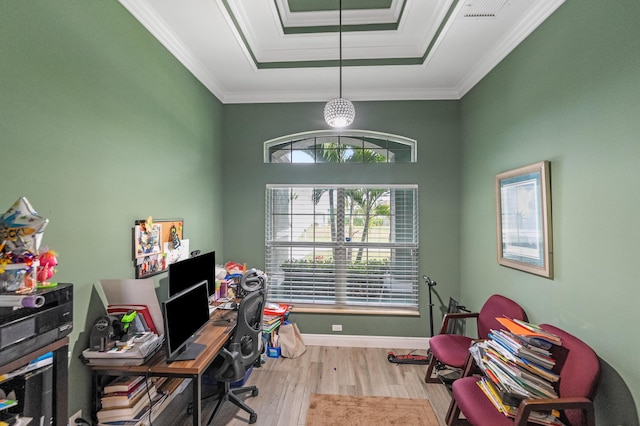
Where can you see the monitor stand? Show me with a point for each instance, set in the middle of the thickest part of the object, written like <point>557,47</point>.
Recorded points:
<point>191,352</point>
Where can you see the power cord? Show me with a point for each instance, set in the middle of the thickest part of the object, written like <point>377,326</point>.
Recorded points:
<point>149,395</point>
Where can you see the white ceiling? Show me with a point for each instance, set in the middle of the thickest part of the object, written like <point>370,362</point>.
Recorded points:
<point>254,51</point>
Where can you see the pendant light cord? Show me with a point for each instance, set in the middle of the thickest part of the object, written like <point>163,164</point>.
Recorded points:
<point>340,31</point>
<point>339,112</point>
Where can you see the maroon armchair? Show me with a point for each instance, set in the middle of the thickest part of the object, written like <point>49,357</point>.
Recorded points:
<point>453,349</point>
<point>579,370</point>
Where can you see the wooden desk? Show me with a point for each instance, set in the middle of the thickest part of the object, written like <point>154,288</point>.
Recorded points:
<point>214,335</point>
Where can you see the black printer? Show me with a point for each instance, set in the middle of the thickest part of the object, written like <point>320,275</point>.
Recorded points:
<point>25,329</point>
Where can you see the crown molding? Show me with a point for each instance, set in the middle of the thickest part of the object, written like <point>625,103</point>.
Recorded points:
<point>158,28</point>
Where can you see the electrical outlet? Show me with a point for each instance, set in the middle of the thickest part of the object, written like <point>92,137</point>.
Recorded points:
<point>336,327</point>
<point>72,419</point>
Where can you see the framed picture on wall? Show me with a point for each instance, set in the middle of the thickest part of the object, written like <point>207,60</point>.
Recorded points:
<point>150,265</point>
<point>156,244</point>
<point>146,240</point>
<point>523,206</point>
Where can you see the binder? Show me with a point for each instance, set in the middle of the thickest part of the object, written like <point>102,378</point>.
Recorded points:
<point>142,310</point>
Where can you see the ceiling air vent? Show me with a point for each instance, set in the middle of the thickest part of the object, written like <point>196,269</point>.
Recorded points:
<point>483,8</point>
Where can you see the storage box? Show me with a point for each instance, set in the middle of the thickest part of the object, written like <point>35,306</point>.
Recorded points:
<point>273,352</point>
<point>18,276</point>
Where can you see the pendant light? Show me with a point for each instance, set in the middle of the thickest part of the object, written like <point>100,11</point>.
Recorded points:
<point>339,112</point>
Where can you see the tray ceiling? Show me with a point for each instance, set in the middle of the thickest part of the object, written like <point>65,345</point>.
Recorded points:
<point>247,51</point>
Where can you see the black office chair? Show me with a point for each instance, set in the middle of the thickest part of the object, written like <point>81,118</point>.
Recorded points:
<point>240,354</point>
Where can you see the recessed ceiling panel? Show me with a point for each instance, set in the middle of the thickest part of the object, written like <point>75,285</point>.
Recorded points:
<point>258,27</point>
<point>323,5</point>
<point>324,13</point>
<point>246,51</point>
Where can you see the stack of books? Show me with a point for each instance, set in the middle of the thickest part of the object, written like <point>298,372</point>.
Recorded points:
<point>270,325</point>
<point>125,399</point>
<point>119,406</point>
<point>270,322</point>
<point>517,364</point>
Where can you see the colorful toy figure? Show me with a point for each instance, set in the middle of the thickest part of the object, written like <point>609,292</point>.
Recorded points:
<point>48,262</point>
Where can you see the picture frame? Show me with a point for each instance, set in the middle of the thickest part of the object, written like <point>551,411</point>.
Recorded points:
<point>524,231</point>
<point>146,240</point>
<point>150,265</point>
<point>155,243</point>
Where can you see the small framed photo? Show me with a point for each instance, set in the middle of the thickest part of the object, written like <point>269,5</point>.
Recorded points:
<point>150,265</point>
<point>523,206</point>
<point>156,244</point>
<point>147,239</point>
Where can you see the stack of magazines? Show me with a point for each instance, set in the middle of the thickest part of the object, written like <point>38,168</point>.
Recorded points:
<point>518,364</point>
<point>135,351</point>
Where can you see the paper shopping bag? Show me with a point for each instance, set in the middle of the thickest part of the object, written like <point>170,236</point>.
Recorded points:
<point>291,343</point>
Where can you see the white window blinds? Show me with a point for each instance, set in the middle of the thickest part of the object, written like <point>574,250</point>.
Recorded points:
<point>343,245</point>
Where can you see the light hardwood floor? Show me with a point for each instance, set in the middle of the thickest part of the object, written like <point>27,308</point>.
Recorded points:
<point>285,385</point>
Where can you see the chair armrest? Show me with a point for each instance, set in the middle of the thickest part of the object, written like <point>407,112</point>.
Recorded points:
<point>547,404</point>
<point>456,315</point>
<point>231,363</point>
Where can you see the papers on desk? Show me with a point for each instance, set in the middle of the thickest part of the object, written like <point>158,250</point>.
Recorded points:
<point>133,353</point>
<point>135,292</point>
<point>228,305</point>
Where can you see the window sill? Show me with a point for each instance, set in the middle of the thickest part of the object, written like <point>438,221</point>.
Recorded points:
<point>354,310</point>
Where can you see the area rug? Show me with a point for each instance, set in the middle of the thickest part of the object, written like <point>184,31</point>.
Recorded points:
<point>340,410</point>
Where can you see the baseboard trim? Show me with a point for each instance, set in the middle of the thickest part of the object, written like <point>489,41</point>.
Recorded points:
<point>397,342</point>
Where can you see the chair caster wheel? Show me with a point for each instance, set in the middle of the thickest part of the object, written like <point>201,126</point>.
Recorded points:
<point>253,418</point>
<point>254,392</point>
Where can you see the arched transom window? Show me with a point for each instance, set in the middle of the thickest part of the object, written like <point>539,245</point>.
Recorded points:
<point>353,146</point>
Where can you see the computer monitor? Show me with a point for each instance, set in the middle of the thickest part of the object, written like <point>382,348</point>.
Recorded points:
<point>184,314</point>
<point>186,273</point>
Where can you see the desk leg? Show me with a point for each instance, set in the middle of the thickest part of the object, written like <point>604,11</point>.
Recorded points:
<point>197,399</point>
<point>96,391</point>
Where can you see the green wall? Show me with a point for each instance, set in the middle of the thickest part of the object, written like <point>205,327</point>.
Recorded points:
<point>100,125</point>
<point>569,94</point>
<point>435,125</point>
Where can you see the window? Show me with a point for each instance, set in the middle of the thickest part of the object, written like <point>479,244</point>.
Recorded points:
<point>343,245</point>
<point>355,146</point>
